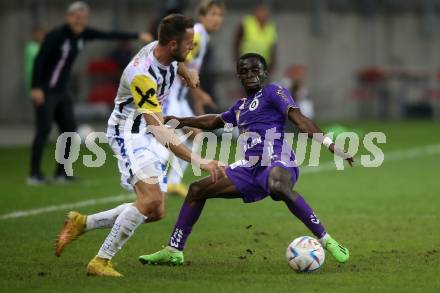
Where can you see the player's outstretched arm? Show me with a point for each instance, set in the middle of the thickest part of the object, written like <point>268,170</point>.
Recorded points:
<point>306,125</point>
<point>96,34</point>
<point>169,139</point>
<point>205,122</point>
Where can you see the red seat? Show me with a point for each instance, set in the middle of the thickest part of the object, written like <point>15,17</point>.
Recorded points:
<point>102,93</point>
<point>102,67</point>
<point>103,75</point>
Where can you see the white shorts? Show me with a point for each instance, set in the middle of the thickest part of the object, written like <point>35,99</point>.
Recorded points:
<point>140,157</point>
<point>177,103</point>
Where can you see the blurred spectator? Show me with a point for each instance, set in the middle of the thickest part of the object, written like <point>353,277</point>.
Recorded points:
<point>257,34</point>
<point>30,53</point>
<point>208,79</point>
<point>294,80</point>
<point>50,76</point>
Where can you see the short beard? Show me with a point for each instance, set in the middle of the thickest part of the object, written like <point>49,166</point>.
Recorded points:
<point>177,56</point>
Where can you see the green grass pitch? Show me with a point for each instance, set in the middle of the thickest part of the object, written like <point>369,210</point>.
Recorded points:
<point>388,216</point>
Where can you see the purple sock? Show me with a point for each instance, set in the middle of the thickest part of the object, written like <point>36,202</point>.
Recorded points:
<point>189,214</point>
<point>304,212</point>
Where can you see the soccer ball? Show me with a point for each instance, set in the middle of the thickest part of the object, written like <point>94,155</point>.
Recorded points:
<point>305,254</point>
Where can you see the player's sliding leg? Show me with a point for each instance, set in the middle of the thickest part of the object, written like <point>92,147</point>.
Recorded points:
<point>148,207</point>
<point>280,185</point>
<point>77,224</point>
<point>300,208</point>
<point>189,214</point>
<point>173,253</point>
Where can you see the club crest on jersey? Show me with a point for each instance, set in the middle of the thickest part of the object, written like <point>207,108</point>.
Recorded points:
<point>254,104</point>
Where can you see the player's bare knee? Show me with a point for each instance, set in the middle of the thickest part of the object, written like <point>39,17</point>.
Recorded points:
<point>159,213</point>
<point>278,188</point>
<point>143,209</point>
<point>155,209</point>
<point>194,192</point>
<point>193,188</point>
<point>294,195</point>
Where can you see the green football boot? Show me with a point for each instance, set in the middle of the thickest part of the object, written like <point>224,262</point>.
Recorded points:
<point>339,252</point>
<point>166,256</point>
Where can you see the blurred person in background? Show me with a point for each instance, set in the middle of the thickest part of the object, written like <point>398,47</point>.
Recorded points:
<point>295,80</point>
<point>211,15</point>
<point>31,50</point>
<point>257,34</point>
<point>51,72</point>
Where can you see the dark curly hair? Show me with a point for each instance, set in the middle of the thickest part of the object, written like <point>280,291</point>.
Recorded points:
<point>253,55</point>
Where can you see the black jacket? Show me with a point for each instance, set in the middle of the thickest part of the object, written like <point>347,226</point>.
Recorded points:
<point>58,52</point>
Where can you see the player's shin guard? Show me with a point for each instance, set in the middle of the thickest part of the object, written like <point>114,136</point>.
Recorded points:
<point>188,216</point>
<point>304,212</point>
<point>105,219</point>
<point>125,225</point>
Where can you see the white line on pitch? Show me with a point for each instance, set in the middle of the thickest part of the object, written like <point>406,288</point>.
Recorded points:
<point>328,166</point>
<point>67,206</point>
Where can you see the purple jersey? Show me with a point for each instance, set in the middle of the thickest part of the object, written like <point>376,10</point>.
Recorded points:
<point>261,114</point>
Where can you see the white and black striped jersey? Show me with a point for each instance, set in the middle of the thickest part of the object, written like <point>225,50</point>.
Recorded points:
<point>145,84</point>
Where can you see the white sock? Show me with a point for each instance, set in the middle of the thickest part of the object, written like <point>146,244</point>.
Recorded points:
<point>324,239</point>
<point>104,219</point>
<point>173,176</point>
<point>172,249</point>
<point>127,221</point>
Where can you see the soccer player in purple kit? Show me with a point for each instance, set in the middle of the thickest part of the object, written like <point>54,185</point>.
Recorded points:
<point>265,109</point>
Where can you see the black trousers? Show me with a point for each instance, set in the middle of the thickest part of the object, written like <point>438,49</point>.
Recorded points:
<point>57,107</point>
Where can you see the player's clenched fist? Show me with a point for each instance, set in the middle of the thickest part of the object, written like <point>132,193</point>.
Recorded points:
<point>342,154</point>
<point>191,79</point>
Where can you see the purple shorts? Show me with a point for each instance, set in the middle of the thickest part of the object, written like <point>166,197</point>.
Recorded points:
<point>252,182</point>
